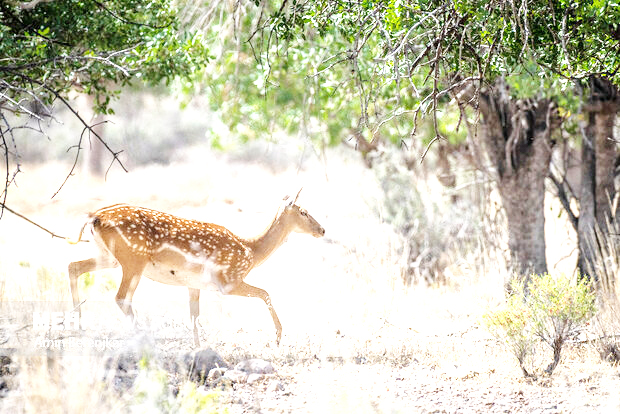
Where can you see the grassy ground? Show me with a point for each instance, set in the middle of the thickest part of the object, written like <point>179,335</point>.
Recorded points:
<point>355,338</point>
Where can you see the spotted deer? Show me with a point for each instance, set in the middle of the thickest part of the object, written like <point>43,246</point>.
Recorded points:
<point>182,252</point>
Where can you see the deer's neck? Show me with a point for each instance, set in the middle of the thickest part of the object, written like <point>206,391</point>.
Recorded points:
<point>264,245</point>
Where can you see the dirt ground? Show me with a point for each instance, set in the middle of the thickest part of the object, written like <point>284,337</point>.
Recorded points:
<point>480,383</point>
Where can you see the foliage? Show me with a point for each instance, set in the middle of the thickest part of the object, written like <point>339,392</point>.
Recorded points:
<point>305,79</point>
<point>193,400</point>
<point>558,306</point>
<point>59,46</point>
<point>511,324</point>
<point>371,70</point>
<point>550,309</point>
<point>48,49</point>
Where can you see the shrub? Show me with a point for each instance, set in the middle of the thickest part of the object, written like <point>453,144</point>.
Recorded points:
<point>152,393</point>
<point>433,226</point>
<point>511,325</point>
<point>548,309</point>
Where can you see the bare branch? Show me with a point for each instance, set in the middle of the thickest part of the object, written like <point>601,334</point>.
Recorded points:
<point>77,155</point>
<point>398,49</point>
<point>21,216</point>
<point>88,127</point>
<point>7,167</point>
<point>105,58</point>
<point>7,163</point>
<point>436,138</point>
<point>564,200</point>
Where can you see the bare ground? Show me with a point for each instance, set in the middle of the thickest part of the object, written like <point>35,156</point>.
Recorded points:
<point>419,387</point>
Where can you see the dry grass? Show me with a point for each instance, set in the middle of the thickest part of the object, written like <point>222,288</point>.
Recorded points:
<point>356,339</point>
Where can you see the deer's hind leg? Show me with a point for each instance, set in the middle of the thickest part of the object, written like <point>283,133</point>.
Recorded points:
<point>77,269</point>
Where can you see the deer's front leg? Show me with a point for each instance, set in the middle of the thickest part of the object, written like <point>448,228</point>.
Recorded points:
<point>128,286</point>
<point>243,289</point>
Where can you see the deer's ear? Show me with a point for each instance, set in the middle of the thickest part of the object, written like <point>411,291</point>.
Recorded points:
<point>297,196</point>
<point>287,197</point>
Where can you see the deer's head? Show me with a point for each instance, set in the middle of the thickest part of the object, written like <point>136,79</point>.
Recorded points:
<point>300,221</point>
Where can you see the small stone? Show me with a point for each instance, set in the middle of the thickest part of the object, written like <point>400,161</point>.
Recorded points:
<point>253,378</point>
<point>199,364</point>
<point>255,366</point>
<point>236,375</point>
<point>275,386</point>
<point>216,373</point>
<point>123,365</point>
<point>222,383</point>
<point>8,371</point>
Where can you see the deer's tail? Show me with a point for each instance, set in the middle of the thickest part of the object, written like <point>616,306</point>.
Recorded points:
<point>79,239</point>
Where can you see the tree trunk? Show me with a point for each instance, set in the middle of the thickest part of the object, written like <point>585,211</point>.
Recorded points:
<point>523,198</point>
<point>604,104</point>
<point>517,140</point>
<point>587,201</point>
<point>599,150</point>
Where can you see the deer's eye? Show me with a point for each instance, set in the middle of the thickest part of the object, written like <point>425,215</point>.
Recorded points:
<point>303,213</point>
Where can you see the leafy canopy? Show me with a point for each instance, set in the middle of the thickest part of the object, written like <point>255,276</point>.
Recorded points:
<point>93,46</point>
<point>377,67</point>
<point>49,48</point>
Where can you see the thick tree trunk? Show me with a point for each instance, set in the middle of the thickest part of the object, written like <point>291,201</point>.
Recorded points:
<point>517,140</point>
<point>599,154</point>
<point>606,154</point>
<point>523,197</point>
<point>522,185</point>
<point>585,225</point>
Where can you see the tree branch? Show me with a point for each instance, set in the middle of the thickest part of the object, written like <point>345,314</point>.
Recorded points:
<point>563,197</point>
<point>122,19</point>
<point>21,216</point>
<point>88,127</point>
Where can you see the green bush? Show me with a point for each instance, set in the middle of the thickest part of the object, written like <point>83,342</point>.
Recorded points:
<point>152,393</point>
<point>511,325</point>
<point>547,309</point>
